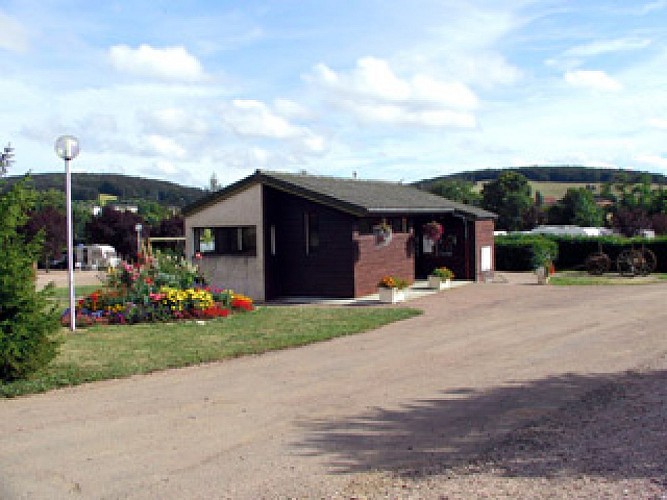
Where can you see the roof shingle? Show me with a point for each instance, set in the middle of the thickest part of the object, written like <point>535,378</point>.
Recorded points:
<point>359,197</point>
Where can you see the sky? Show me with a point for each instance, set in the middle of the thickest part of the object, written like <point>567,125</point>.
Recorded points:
<point>384,89</point>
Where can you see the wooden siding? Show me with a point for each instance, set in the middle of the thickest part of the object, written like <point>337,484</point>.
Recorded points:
<point>325,272</point>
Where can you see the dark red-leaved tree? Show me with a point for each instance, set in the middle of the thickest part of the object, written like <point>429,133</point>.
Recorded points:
<point>116,228</point>
<point>54,225</point>
<point>629,221</point>
<point>173,226</point>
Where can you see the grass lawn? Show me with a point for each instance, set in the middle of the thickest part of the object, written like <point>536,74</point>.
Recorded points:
<point>61,295</point>
<point>105,352</point>
<point>567,278</point>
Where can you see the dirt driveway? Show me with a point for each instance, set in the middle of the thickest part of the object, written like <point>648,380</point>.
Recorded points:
<point>330,419</point>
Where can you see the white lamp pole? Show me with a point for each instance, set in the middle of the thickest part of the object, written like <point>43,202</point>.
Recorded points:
<point>67,148</point>
<point>138,229</point>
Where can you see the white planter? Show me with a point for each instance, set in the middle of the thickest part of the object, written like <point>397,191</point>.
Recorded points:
<point>542,276</point>
<point>439,283</point>
<point>391,295</point>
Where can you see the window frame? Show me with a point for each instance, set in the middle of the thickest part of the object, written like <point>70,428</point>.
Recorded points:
<point>241,240</point>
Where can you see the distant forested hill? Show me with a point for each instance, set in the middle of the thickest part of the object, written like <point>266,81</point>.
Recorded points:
<point>566,173</point>
<point>89,186</point>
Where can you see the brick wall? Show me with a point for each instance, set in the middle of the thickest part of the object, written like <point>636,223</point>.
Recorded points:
<point>373,262</point>
<point>484,237</point>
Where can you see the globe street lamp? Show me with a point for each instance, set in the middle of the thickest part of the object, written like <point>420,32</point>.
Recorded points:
<point>67,148</point>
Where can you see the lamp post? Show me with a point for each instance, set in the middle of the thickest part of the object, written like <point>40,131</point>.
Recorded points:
<point>67,148</point>
<point>138,229</point>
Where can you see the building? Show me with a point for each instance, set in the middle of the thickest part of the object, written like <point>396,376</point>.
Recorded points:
<point>274,235</point>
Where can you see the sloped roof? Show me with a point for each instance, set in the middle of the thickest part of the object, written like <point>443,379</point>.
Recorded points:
<point>358,197</point>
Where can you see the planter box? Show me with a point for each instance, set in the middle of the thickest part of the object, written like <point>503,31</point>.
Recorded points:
<point>542,276</point>
<point>391,295</point>
<point>438,283</point>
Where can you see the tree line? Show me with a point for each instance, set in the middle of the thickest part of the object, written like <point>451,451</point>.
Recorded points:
<point>88,187</point>
<point>626,202</point>
<point>563,173</point>
<point>47,216</point>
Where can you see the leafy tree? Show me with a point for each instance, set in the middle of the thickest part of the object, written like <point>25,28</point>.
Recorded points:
<point>52,224</point>
<point>116,228</point>
<point>577,207</point>
<point>27,321</point>
<point>174,226</point>
<point>456,190</point>
<point>659,223</point>
<point>82,213</point>
<point>629,221</point>
<point>509,196</point>
<point>51,198</point>
<point>152,212</point>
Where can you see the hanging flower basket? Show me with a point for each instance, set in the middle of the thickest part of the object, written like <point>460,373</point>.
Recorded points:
<point>383,234</point>
<point>433,231</point>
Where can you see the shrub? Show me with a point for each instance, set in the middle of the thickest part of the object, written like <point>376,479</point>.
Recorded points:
<point>524,252</point>
<point>26,319</point>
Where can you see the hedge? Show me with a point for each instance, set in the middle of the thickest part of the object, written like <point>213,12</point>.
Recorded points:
<point>513,252</point>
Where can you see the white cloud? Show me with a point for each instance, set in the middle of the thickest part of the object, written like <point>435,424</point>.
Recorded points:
<point>175,120</point>
<point>592,79</point>
<point>13,36</point>
<point>652,161</point>
<point>170,63</point>
<point>291,109</point>
<point>606,46</point>
<point>374,93</point>
<point>653,6</point>
<point>163,146</point>
<point>659,123</point>
<point>252,118</point>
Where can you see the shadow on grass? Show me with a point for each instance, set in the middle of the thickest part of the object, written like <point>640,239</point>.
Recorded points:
<point>609,426</point>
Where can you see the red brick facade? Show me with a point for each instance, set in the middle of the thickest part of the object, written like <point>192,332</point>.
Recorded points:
<point>484,237</point>
<point>373,261</point>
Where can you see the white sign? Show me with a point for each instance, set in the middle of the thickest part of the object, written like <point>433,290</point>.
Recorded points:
<point>485,264</point>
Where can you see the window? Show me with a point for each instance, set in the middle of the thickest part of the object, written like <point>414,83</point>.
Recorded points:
<point>273,239</point>
<point>312,232</point>
<point>237,240</point>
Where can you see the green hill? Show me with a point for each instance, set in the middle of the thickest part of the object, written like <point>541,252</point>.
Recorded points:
<point>558,174</point>
<point>87,187</point>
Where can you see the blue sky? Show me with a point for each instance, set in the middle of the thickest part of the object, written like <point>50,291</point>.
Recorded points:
<point>389,89</point>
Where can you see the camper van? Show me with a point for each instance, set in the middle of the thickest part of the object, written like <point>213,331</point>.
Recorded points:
<point>96,257</point>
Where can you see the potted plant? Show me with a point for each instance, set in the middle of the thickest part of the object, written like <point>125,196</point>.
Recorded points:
<point>544,251</point>
<point>391,289</point>
<point>440,278</point>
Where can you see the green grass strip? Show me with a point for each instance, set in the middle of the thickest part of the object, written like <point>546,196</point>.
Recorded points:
<point>582,278</point>
<point>106,352</point>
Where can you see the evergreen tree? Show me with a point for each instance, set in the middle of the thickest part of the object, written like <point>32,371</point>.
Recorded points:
<point>27,321</point>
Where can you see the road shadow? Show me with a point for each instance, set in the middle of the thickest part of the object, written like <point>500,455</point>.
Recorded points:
<point>610,426</point>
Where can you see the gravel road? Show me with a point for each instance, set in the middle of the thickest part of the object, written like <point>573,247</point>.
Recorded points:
<point>498,391</point>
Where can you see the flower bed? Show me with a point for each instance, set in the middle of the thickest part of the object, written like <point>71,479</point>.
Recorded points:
<point>161,288</point>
